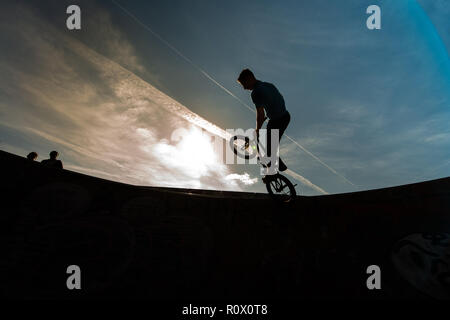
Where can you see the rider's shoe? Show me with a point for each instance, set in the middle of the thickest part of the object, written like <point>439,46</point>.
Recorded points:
<point>282,167</point>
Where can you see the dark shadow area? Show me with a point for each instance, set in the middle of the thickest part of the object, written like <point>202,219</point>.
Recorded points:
<point>164,243</point>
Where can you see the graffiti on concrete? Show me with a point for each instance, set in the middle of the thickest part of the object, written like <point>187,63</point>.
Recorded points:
<point>423,259</point>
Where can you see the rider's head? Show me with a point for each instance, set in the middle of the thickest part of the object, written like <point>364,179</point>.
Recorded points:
<point>247,79</point>
<point>54,155</point>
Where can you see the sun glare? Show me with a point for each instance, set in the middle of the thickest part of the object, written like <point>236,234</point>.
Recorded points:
<point>196,151</point>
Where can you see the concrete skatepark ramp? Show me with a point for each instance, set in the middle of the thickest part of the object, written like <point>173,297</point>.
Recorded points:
<point>164,243</point>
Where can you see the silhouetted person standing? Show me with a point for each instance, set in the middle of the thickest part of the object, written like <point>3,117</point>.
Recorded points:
<point>53,162</point>
<point>268,102</point>
<point>32,156</point>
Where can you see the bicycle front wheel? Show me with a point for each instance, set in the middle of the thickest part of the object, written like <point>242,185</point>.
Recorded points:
<point>281,189</point>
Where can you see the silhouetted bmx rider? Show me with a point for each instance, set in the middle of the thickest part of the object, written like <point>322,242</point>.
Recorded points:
<point>266,97</point>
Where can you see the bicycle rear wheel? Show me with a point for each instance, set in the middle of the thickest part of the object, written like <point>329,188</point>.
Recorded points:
<point>241,147</point>
<point>280,188</point>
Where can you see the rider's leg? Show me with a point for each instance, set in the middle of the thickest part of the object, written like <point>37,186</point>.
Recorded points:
<point>284,125</point>
<point>281,125</point>
<point>271,125</point>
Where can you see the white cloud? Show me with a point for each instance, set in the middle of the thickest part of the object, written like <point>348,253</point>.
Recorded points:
<point>104,120</point>
<point>243,178</point>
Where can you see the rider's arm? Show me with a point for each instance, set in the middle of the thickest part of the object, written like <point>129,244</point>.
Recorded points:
<point>260,117</point>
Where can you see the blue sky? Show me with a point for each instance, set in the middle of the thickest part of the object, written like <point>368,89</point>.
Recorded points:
<point>371,104</point>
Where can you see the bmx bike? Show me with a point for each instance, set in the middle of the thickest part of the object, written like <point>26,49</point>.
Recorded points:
<point>278,186</point>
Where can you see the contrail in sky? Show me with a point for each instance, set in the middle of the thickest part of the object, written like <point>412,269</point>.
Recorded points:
<point>225,89</point>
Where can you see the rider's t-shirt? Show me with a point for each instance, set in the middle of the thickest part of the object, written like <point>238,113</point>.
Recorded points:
<point>266,95</point>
